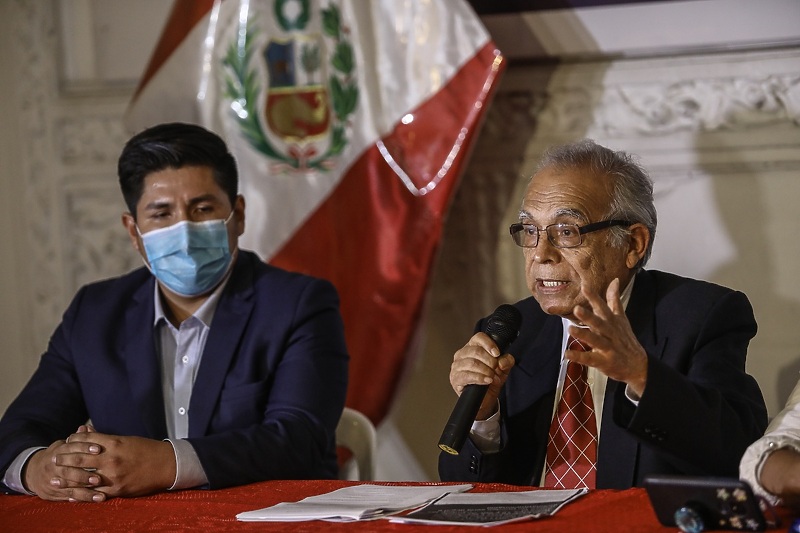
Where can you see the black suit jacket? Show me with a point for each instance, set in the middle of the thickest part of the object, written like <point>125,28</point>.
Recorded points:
<point>269,390</point>
<point>698,413</point>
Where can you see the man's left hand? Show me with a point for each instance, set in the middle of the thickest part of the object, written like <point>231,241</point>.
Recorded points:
<point>615,350</point>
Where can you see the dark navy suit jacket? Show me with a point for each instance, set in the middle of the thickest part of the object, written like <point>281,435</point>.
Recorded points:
<point>269,390</point>
<point>699,412</point>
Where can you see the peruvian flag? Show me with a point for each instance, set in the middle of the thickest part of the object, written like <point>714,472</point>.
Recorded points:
<point>351,121</point>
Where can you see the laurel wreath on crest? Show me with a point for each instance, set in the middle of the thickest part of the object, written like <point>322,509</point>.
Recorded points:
<point>242,88</point>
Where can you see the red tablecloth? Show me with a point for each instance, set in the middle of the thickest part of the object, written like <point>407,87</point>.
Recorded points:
<point>195,510</point>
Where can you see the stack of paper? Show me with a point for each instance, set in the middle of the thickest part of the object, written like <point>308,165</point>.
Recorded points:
<point>491,508</point>
<point>359,502</point>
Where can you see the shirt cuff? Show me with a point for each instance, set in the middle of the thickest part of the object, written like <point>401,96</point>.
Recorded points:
<point>756,455</point>
<point>189,472</point>
<point>632,396</point>
<point>13,477</point>
<point>485,434</point>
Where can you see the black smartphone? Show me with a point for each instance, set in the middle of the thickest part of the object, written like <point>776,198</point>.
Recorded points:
<point>696,504</point>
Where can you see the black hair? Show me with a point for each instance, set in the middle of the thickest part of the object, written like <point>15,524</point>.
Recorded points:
<point>174,145</point>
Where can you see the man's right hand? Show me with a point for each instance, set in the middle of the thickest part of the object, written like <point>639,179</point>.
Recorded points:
<point>480,362</point>
<point>49,481</point>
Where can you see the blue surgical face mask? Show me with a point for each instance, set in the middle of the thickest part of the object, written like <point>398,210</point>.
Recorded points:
<point>189,258</point>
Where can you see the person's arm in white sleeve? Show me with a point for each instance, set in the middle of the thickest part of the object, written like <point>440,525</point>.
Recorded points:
<point>771,465</point>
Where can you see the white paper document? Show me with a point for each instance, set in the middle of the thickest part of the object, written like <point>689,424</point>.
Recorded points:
<point>491,508</point>
<point>359,502</point>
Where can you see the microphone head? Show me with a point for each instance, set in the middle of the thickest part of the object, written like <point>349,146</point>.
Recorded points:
<point>503,325</point>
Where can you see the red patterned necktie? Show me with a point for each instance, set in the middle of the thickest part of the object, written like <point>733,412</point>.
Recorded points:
<point>572,444</point>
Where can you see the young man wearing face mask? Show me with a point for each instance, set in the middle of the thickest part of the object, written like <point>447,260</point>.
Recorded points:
<point>204,368</point>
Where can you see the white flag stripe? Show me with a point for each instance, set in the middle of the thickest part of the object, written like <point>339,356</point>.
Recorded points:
<point>415,59</point>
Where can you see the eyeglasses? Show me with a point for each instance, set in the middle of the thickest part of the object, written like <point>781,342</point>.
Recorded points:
<point>559,235</point>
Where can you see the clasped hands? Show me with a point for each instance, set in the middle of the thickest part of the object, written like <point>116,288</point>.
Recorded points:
<point>615,351</point>
<point>90,466</point>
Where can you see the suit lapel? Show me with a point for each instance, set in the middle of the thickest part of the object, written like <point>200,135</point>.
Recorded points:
<point>537,352</point>
<point>224,339</point>
<point>618,454</point>
<point>138,349</point>
<point>642,316</point>
<point>539,364</point>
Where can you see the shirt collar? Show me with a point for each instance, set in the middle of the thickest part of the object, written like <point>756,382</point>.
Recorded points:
<point>206,311</point>
<point>625,297</point>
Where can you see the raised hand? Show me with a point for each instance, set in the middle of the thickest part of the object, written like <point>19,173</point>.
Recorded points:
<point>615,350</point>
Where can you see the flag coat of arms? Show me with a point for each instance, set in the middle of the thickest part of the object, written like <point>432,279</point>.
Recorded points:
<point>351,121</point>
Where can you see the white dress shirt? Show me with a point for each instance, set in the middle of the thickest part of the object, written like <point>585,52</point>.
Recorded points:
<point>783,432</point>
<point>180,350</point>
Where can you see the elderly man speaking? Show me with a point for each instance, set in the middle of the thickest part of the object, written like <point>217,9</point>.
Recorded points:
<point>618,372</point>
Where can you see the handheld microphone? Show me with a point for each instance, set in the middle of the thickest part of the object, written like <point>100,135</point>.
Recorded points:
<point>503,327</point>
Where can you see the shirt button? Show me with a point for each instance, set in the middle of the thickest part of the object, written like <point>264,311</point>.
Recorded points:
<point>185,359</point>
<point>181,411</point>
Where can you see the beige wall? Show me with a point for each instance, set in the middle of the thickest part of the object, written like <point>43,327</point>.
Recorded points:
<point>719,132</point>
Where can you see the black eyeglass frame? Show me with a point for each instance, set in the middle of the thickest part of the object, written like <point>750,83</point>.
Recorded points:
<point>582,230</point>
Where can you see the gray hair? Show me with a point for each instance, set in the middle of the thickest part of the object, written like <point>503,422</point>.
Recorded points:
<point>632,194</point>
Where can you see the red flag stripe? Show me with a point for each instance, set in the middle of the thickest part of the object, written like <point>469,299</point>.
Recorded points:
<point>390,228</point>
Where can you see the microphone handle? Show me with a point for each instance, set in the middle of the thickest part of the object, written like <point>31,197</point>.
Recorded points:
<point>502,327</point>
<point>456,430</point>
